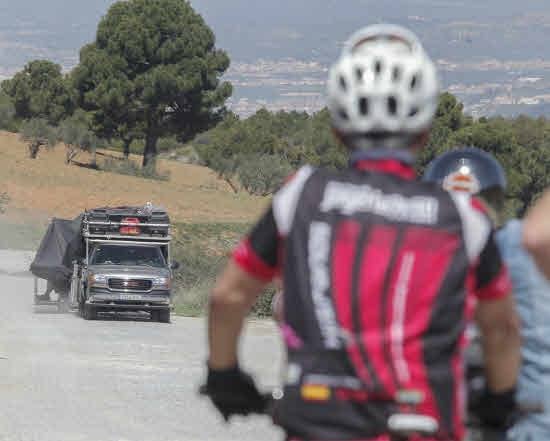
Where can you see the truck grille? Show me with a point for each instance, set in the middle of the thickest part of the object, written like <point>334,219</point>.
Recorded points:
<point>130,284</point>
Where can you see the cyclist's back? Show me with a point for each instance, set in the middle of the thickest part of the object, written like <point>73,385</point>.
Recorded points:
<point>376,296</point>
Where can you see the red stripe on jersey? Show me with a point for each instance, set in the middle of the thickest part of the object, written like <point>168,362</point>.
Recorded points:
<point>374,267</point>
<point>343,257</point>
<point>390,166</point>
<point>496,289</point>
<point>478,205</point>
<point>432,252</point>
<point>247,259</point>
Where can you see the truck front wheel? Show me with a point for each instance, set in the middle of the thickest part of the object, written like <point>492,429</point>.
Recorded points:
<point>161,315</point>
<point>90,312</point>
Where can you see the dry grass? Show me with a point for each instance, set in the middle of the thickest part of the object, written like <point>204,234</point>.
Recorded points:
<point>48,187</point>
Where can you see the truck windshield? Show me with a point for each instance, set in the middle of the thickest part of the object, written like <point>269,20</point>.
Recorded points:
<point>128,255</point>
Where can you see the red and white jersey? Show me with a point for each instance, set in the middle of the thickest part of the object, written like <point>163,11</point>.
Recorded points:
<point>381,274</point>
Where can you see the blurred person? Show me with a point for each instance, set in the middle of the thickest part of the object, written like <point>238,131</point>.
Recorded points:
<point>479,173</point>
<point>536,233</point>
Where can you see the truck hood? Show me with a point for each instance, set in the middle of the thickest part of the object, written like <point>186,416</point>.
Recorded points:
<point>129,271</point>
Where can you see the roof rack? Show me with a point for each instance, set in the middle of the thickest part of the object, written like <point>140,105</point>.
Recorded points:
<point>127,224</point>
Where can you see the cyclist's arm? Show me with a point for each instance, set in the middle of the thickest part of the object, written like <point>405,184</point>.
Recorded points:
<point>499,328</point>
<point>254,263</point>
<point>497,320</point>
<point>232,298</point>
<point>536,233</point>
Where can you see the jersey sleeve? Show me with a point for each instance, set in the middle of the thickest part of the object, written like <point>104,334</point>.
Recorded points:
<point>259,252</point>
<point>492,280</point>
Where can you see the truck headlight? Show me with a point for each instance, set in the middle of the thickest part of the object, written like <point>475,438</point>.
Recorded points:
<point>99,280</point>
<point>162,282</point>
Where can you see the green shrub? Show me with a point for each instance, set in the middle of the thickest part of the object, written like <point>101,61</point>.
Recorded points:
<point>168,144</point>
<point>7,116</point>
<point>4,199</point>
<point>262,175</point>
<point>37,133</point>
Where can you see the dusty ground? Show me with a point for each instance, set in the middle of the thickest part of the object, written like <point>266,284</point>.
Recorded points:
<point>62,378</point>
<point>47,187</point>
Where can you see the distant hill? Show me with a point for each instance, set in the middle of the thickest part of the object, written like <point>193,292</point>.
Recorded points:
<point>458,31</point>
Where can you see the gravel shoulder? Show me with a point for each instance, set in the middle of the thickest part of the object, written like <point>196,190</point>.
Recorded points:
<point>62,378</point>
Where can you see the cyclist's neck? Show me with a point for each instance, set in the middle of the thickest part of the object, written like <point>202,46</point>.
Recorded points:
<point>393,161</point>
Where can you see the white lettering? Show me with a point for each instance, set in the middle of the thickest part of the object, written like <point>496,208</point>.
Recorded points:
<point>319,253</point>
<point>351,198</point>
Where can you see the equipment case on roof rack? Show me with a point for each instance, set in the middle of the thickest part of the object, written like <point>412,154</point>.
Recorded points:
<point>130,223</point>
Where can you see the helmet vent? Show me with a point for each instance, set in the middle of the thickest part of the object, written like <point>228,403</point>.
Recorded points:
<point>343,114</point>
<point>377,67</point>
<point>359,74</point>
<point>413,112</point>
<point>364,106</point>
<point>396,74</point>
<point>392,105</point>
<point>415,82</point>
<point>343,83</point>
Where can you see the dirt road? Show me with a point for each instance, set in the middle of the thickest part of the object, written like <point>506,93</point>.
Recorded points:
<point>65,379</point>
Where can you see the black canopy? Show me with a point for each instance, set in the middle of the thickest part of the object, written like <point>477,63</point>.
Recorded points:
<point>61,244</point>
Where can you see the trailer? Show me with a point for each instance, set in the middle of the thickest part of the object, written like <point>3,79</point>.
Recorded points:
<point>52,266</point>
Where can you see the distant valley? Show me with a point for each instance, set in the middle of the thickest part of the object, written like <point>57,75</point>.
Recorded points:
<point>493,55</point>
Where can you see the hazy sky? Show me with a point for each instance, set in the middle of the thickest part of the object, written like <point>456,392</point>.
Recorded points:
<point>250,29</point>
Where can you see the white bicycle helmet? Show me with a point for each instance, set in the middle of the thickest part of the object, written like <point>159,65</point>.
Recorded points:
<point>383,85</point>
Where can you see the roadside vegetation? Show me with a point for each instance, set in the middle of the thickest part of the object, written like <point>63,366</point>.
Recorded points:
<point>202,250</point>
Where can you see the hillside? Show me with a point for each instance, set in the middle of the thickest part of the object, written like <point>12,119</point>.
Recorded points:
<point>46,187</point>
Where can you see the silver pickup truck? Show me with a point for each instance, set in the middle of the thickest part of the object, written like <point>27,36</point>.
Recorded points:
<point>126,264</point>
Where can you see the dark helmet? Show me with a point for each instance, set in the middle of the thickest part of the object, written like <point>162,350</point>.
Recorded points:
<point>469,169</point>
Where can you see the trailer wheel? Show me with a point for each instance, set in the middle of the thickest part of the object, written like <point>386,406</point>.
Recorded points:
<point>90,312</point>
<point>63,305</point>
<point>161,316</point>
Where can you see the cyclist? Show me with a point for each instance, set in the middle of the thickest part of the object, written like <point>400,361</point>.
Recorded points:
<point>536,234</point>
<point>380,271</point>
<point>478,172</point>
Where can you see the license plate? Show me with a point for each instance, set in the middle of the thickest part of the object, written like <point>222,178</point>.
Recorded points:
<point>130,297</point>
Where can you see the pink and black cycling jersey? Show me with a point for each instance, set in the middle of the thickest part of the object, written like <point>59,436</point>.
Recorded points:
<point>381,275</point>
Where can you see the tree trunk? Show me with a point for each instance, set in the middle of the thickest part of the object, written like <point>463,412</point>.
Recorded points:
<point>233,187</point>
<point>94,158</point>
<point>127,143</point>
<point>34,147</point>
<point>150,152</point>
<point>70,154</point>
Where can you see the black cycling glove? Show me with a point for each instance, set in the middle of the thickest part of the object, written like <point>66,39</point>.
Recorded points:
<point>233,392</point>
<point>497,410</point>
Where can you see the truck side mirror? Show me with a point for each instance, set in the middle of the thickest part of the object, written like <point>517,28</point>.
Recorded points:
<point>175,265</point>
